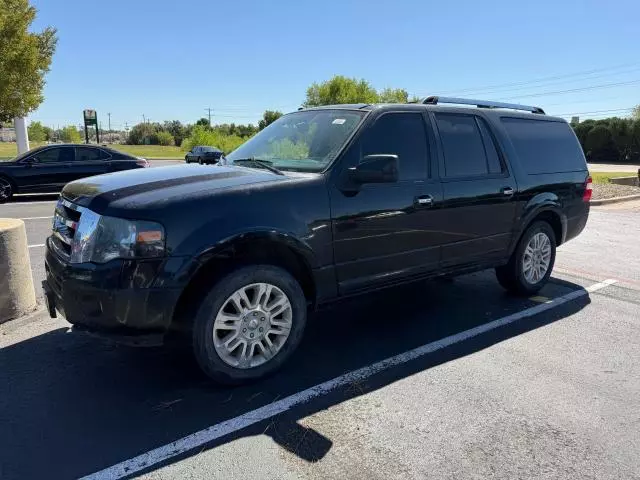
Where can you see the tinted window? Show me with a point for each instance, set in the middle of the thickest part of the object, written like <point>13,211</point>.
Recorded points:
<point>545,147</point>
<point>493,159</point>
<point>53,155</point>
<point>87,154</point>
<point>462,145</point>
<point>401,134</point>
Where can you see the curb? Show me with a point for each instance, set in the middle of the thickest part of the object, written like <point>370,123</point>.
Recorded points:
<point>11,325</point>
<point>607,201</point>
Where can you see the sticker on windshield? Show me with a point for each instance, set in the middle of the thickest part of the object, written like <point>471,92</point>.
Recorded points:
<point>338,121</point>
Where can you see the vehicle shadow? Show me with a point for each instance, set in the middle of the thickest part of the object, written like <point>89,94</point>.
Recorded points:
<point>72,405</point>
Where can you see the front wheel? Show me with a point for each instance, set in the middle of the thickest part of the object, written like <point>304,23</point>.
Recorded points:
<point>200,160</point>
<point>6,190</point>
<point>249,324</point>
<point>532,262</point>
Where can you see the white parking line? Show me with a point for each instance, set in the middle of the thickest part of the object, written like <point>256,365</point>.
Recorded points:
<point>214,432</point>
<point>37,245</point>
<point>37,218</point>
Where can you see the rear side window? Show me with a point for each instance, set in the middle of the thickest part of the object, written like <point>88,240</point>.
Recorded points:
<point>87,154</point>
<point>467,146</point>
<point>401,134</point>
<point>545,147</point>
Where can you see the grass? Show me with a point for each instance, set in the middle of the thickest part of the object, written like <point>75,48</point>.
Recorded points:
<point>9,150</point>
<point>603,177</point>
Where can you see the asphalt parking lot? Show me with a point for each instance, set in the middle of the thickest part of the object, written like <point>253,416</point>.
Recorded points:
<point>452,380</point>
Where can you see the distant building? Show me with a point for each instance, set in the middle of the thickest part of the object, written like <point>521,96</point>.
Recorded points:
<point>7,134</point>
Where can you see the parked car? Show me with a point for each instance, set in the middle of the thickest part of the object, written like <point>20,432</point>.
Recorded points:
<point>51,167</point>
<point>203,155</point>
<point>322,204</point>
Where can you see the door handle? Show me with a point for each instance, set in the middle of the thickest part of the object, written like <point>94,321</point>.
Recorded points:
<point>424,201</point>
<point>507,191</point>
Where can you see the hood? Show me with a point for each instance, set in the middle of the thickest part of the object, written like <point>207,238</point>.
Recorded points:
<point>152,187</point>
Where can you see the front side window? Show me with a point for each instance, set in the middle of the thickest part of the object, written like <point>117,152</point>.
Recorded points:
<point>87,154</point>
<point>55,155</point>
<point>401,134</point>
<point>304,141</point>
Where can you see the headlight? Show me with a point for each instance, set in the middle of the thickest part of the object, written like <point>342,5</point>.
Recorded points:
<point>99,239</point>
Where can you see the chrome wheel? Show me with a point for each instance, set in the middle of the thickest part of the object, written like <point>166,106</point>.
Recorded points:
<point>5,190</point>
<point>252,325</point>
<point>536,258</point>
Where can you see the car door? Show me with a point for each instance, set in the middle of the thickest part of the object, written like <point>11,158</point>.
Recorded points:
<point>384,232</point>
<point>48,168</point>
<point>89,161</point>
<point>193,154</point>
<point>479,190</point>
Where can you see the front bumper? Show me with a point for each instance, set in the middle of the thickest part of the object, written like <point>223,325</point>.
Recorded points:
<point>118,298</point>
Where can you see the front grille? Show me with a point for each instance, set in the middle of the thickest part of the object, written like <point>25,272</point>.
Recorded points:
<point>65,224</point>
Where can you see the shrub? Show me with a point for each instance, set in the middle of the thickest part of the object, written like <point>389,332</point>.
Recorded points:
<point>70,135</point>
<point>203,135</point>
<point>163,138</point>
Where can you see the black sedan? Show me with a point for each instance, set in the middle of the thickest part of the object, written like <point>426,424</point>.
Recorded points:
<point>203,154</point>
<point>51,167</point>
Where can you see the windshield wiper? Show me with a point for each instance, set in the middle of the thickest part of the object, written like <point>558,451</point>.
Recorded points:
<point>258,162</point>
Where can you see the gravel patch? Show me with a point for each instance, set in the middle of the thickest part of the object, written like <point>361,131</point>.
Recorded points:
<point>611,190</point>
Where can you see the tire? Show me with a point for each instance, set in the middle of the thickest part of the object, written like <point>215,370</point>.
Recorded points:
<point>217,361</point>
<point>6,189</point>
<point>513,276</point>
<point>186,159</point>
<point>200,161</point>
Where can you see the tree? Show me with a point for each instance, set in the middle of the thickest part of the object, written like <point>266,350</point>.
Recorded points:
<point>176,129</point>
<point>636,112</point>
<point>203,122</point>
<point>163,138</point>
<point>268,118</point>
<point>37,132</point>
<point>142,134</point>
<point>70,134</point>
<point>25,58</point>
<point>393,95</point>
<point>339,90</point>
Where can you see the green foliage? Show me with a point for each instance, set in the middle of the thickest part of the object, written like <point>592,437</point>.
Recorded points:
<point>163,138</point>
<point>393,95</point>
<point>341,89</point>
<point>610,139</point>
<point>268,117</point>
<point>177,131</point>
<point>203,135</point>
<point>70,134</point>
<point>37,132</point>
<point>285,149</point>
<point>143,134</point>
<point>203,122</point>
<point>25,58</point>
<point>636,112</point>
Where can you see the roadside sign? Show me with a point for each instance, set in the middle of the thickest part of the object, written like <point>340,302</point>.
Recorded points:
<point>90,119</point>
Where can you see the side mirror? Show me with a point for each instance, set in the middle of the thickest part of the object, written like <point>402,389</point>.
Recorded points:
<point>29,161</point>
<point>375,169</point>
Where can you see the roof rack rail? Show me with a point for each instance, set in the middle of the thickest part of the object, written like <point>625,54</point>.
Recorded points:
<point>481,104</point>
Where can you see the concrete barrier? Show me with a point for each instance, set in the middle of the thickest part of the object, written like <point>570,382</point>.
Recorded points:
<point>17,295</point>
<point>633,181</point>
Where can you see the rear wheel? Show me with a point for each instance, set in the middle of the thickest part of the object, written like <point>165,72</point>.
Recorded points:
<point>200,160</point>
<point>249,323</point>
<point>532,262</point>
<point>6,190</point>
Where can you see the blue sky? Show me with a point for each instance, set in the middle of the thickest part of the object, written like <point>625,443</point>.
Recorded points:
<point>171,60</point>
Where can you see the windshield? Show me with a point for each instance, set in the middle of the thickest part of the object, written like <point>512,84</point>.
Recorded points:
<point>304,141</point>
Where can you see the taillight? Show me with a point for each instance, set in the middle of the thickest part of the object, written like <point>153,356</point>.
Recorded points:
<point>588,190</point>
<point>142,162</point>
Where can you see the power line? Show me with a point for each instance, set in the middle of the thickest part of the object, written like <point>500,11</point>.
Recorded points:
<point>541,80</point>
<point>594,111</point>
<point>572,90</point>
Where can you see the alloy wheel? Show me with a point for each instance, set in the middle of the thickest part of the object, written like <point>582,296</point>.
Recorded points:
<point>252,325</point>
<point>536,258</point>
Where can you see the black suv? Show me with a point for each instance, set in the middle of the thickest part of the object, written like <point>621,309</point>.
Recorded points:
<point>322,204</point>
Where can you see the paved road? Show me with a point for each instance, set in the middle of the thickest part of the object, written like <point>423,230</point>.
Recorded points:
<point>553,395</point>
<point>610,167</point>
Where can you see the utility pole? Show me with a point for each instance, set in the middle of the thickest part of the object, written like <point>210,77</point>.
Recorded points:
<point>109,115</point>
<point>209,110</point>
<point>143,119</point>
